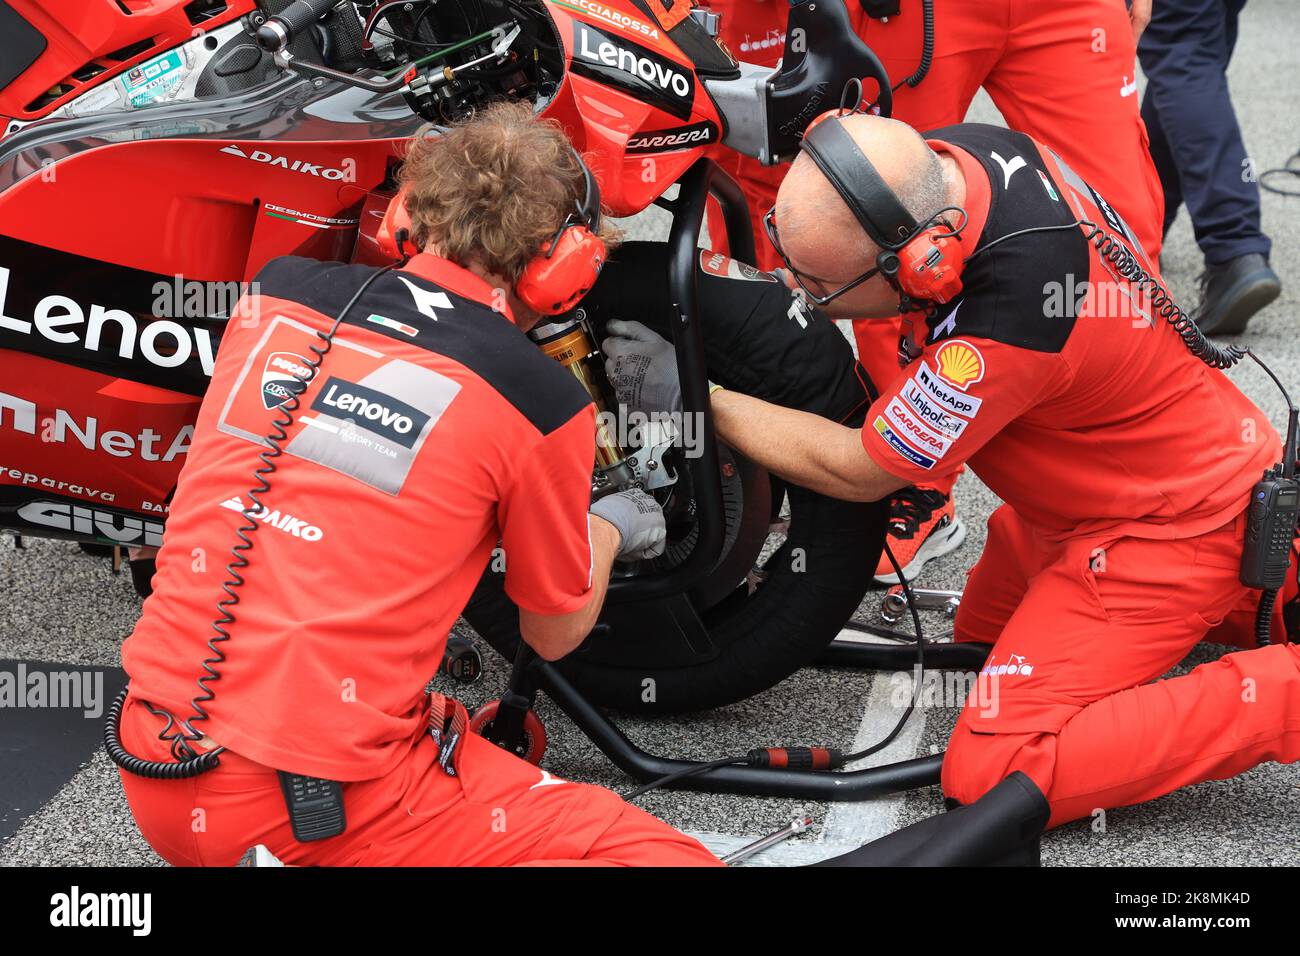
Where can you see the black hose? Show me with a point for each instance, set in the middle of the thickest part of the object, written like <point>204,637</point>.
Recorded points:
<point>927,47</point>
<point>1264,618</point>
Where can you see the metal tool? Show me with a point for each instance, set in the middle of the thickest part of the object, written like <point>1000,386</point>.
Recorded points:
<point>796,827</point>
<point>894,605</point>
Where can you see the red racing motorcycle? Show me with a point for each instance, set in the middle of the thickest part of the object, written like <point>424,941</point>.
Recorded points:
<point>155,154</point>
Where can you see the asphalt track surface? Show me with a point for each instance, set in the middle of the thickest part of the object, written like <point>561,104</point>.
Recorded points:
<point>61,605</point>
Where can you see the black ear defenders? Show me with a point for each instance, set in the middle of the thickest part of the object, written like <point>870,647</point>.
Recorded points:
<point>922,261</point>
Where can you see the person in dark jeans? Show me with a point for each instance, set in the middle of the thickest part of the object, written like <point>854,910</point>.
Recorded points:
<point>1197,148</point>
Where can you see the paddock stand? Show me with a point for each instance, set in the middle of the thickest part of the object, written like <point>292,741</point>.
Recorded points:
<point>510,722</point>
<point>530,674</point>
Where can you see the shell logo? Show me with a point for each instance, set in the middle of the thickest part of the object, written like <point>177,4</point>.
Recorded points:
<point>959,363</point>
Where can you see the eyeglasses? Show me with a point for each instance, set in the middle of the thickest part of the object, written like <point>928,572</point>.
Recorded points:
<point>769,224</point>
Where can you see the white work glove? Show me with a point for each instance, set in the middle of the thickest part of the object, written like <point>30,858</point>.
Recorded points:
<point>642,367</point>
<point>639,520</point>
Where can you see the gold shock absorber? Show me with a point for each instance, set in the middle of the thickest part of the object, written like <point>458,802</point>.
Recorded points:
<point>569,343</point>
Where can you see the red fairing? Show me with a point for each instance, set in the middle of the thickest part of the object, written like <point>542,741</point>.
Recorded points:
<point>631,101</point>
<point>113,444</point>
<point>128,229</point>
<point>212,209</point>
<point>90,41</point>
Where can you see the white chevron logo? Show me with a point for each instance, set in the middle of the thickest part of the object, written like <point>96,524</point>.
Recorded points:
<point>547,781</point>
<point>1009,169</point>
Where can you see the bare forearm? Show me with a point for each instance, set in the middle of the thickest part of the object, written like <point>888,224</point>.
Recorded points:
<point>804,449</point>
<point>554,636</point>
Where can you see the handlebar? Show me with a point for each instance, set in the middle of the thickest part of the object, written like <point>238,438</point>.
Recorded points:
<point>279,31</point>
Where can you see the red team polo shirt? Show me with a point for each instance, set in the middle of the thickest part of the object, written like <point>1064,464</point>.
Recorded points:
<point>433,429</point>
<point>1053,380</point>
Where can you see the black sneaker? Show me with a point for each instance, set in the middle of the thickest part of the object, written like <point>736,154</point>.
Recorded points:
<point>922,527</point>
<point>1234,291</point>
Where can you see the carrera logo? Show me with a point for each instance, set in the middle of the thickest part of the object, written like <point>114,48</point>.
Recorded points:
<point>64,321</point>
<point>374,411</point>
<point>347,173</point>
<point>123,529</point>
<point>283,377</point>
<point>281,521</point>
<point>668,140</point>
<point>641,73</point>
<point>910,428</point>
<point>965,405</point>
<point>148,445</point>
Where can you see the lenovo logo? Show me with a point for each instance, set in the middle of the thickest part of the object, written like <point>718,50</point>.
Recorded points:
<point>64,321</point>
<point>374,411</point>
<point>637,71</point>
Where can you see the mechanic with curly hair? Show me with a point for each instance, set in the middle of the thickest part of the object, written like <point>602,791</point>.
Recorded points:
<point>434,430</point>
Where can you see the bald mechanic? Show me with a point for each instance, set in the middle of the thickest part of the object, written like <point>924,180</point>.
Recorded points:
<point>1065,73</point>
<point>434,430</point>
<point>1125,463</point>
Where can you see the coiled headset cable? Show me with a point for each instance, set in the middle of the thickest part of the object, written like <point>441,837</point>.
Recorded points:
<point>180,735</point>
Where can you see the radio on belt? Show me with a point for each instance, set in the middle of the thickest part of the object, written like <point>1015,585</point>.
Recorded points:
<point>1272,515</point>
<point>1270,527</point>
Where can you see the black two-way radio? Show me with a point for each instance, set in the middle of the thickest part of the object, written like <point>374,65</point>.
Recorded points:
<point>1271,523</point>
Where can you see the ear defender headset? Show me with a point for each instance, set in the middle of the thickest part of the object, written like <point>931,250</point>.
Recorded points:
<point>922,261</point>
<point>557,278</point>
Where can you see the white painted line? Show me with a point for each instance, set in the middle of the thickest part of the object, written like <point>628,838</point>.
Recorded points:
<point>848,825</point>
<point>860,822</point>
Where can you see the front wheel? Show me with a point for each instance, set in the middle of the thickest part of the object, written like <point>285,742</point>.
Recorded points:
<point>688,652</point>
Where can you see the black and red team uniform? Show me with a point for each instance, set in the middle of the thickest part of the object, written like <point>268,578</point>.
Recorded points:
<point>434,430</point>
<point>1125,464</point>
<point>1065,73</point>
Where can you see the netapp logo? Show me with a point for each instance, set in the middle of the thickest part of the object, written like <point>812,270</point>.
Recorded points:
<point>62,320</point>
<point>374,411</point>
<point>639,72</point>
<point>121,528</point>
<point>667,140</point>
<point>22,416</point>
<point>347,173</point>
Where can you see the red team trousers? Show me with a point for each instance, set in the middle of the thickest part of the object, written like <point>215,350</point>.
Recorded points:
<point>498,811</point>
<point>1081,632</point>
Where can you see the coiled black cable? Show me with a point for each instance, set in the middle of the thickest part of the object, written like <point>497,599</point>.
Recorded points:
<point>1264,618</point>
<point>187,762</point>
<point>1289,170</point>
<point>927,47</point>
<point>1126,264</point>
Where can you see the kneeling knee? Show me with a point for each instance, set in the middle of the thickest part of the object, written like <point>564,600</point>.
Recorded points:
<point>975,763</point>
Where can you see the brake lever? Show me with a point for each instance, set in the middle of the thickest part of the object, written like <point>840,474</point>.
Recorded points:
<point>287,61</point>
